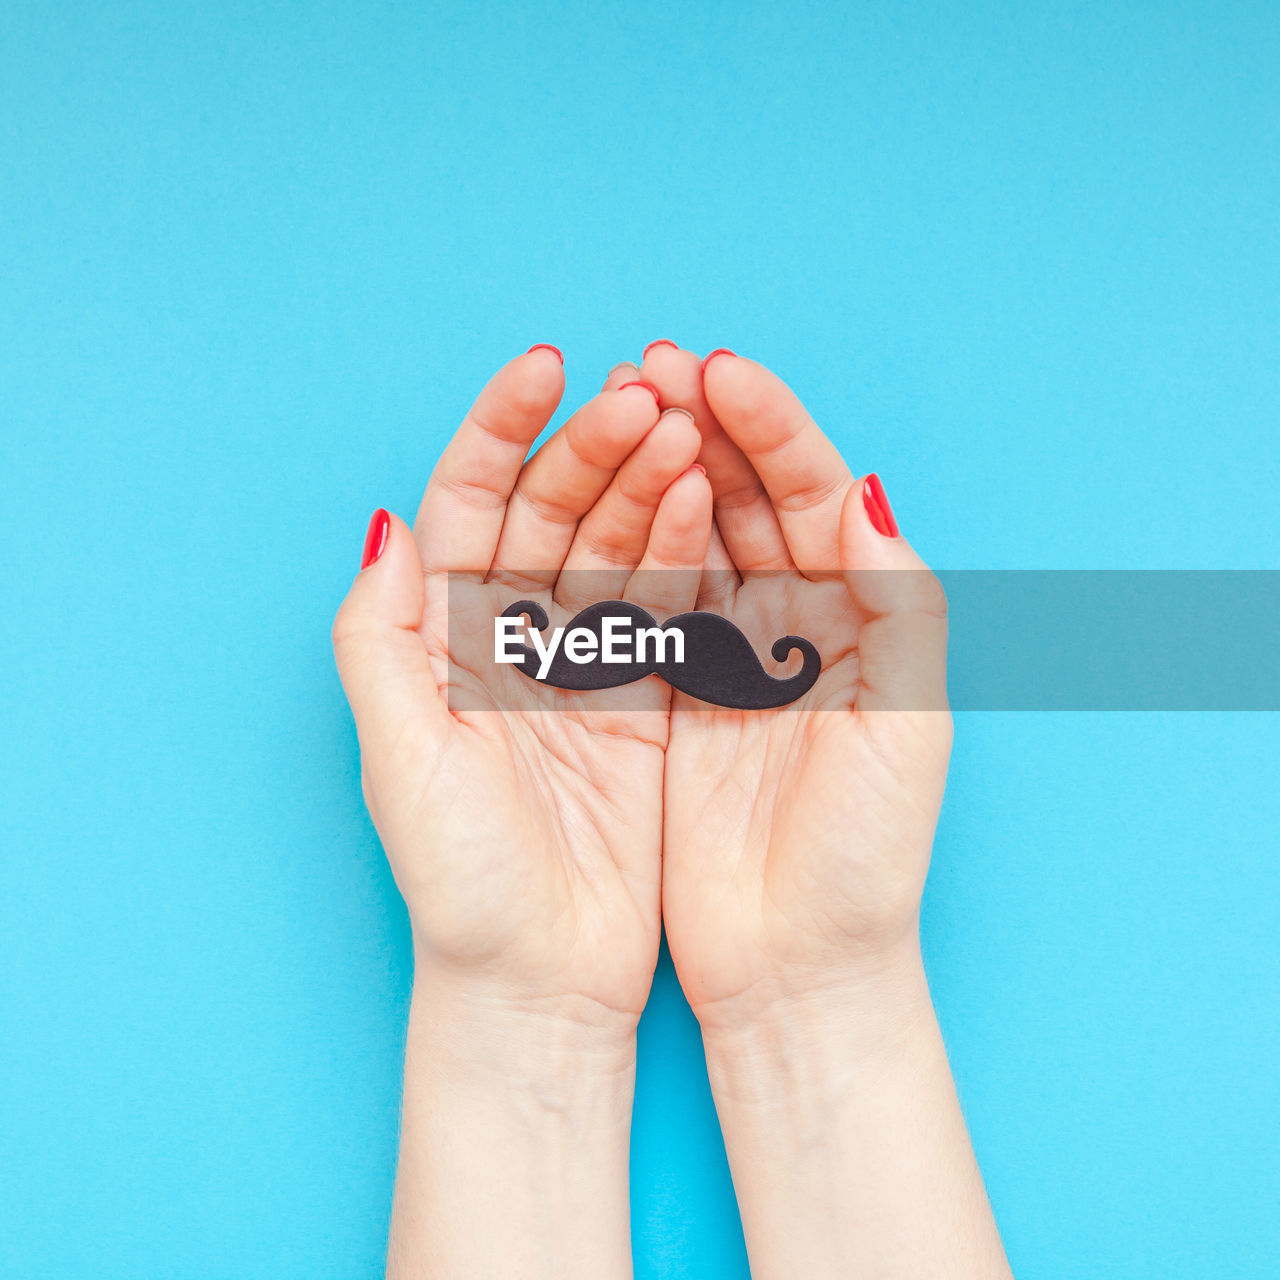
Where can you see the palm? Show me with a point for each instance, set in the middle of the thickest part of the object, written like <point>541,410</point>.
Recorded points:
<point>798,834</point>
<point>524,823</point>
<point>792,815</point>
<point>542,809</point>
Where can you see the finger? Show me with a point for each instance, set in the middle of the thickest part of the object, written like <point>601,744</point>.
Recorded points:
<point>613,535</point>
<point>743,512</point>
<point>620,374</point>
<point>460,519</point>
<point>720,577</point>
<point>381,657</point>
<point>563,480</point>
<point>803,473</point>
<point>902,645</point>
<point>666,580</point>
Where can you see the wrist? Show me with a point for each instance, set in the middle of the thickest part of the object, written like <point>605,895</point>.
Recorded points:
<point>845,1137</point>
<point>561,1054</point>
<point>791,1038</point>
<point>515,1132</point>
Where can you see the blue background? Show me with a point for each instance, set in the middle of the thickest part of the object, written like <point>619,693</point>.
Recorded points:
<point>255,261</point>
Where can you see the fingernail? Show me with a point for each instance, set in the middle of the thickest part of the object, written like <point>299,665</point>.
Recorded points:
<point>375,541</point>
<point>697,466</point>
<point>652,390</point>
<point>546,346</point>
<point>626,364</point>
<point>675,408</point>
<point>658,342</point>
<point>879,512</point>
<point>719,351</point>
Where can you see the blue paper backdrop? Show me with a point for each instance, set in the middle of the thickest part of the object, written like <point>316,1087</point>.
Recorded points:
<point>255,259</point>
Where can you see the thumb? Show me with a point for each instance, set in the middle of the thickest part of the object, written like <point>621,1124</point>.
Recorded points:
<point>381,657</point>
<point>902,647</point>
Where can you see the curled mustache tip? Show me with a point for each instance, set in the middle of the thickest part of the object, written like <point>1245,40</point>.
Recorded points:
<point>536,614</point>
<point>784,648</point>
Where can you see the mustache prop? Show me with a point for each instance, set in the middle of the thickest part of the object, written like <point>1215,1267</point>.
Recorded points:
<point>699,653</point>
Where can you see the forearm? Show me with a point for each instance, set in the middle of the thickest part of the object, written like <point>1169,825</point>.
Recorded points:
<point>514,1143</point>
<point>846,1141</point>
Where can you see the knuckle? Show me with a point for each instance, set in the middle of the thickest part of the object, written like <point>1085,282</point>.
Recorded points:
<point>933,595</point>
<point>472,493</point>
<point>743,493</point>
<point>814,495</point>
<point>349,633</point>
<point>547,507</point>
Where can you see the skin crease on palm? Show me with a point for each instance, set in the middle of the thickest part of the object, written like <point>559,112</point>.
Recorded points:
<point>542,839</point>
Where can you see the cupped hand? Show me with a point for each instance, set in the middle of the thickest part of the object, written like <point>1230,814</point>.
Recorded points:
<point>523,824</point>
<point>796,841</point>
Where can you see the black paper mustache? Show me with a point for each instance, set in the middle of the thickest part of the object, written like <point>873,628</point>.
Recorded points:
<point>719,663</point>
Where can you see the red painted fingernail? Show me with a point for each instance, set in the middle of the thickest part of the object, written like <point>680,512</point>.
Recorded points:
<point>652,390</point>
<point>658,342</point>
<point>879,512</point>
<point>546,346</point>
<point>375,541</point>
<point>719,351</point>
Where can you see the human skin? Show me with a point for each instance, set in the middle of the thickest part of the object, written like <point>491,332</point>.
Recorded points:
<point>526,841</point>
<point>787,849</point>
<point>796,845</point>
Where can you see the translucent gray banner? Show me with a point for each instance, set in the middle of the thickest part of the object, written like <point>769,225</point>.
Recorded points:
<point>1019,640</point>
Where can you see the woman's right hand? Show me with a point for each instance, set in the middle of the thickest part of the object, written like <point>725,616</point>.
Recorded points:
<point>797,839</point>
<point>795,851</point>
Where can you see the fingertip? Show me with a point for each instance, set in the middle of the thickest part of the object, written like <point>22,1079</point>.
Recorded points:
<point>670,572</point>
<point>388,589</point>
<point>679,431</point>
<point>377,643</point>
<point>663,356</point>
<point>386,539</point>
<point>682,527</point>
<point>627,371</point>
<point>865,546</point>
<point>689,496</point>
<point>902,646</point>
<point>743,394</point>
<point>867,522</point>
<point>546,346</point>
<point>695,473</point>
<point>719,351</point>
<point>668,366</point>
<point>543,372</point>
<point>375,538</point>
<point>876,504</point>
<point>522,395</point>
<point>732,384</point>
<point>674,372</point>
<point>648,386</point>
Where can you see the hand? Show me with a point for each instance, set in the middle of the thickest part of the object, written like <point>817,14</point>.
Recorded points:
<point>523,824</point>
<point>526,843</point>
<point>797,841</point>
